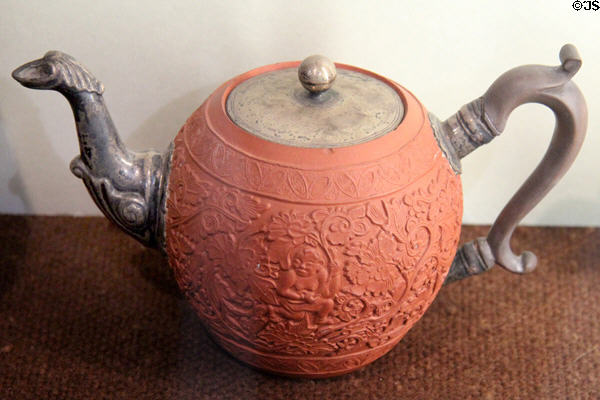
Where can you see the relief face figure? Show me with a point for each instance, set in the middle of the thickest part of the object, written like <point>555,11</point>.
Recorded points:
<point>307,287</point>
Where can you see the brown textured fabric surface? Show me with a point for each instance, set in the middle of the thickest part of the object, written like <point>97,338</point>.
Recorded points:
<point>86,312</point>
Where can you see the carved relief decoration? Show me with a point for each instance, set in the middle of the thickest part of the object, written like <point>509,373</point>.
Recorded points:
<point>301,289</point>
<point>354,183</point>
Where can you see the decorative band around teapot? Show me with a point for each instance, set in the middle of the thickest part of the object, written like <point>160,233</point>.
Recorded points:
<point>357,174</point>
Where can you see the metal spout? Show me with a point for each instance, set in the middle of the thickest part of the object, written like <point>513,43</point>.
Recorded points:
<point>127,186</point>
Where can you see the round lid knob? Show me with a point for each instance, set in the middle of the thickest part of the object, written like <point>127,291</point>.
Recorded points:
<point>274,105</point>
<point>317,73</point>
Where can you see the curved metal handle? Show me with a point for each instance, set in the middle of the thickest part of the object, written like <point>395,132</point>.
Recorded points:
<point>483,119</point>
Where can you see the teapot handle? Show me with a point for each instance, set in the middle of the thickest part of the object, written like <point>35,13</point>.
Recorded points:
<point>481,120</point>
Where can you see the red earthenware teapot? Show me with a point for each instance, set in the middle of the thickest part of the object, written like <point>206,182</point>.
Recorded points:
<point>311,211</point>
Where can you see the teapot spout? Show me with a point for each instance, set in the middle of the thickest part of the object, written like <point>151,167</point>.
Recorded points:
<point>127,186</point>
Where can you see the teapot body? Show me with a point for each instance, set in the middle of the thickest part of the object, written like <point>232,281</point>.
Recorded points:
<point>309,261</point>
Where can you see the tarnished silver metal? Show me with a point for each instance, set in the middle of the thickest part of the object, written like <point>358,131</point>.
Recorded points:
<point>463,132</point>
<point>468,129</point>
<point>484,118</point>
<point>274,106</point>
<point>317,73</point>
<point>127,186</point>
<point>445,144</point>
<point>473,258</point>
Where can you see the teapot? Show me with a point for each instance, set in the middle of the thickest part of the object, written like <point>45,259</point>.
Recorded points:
<point>311,211</point>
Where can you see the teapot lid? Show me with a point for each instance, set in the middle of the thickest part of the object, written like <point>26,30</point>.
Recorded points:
<point>316,105</point>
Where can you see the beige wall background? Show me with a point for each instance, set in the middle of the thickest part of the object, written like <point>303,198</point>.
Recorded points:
<point>159,60</point>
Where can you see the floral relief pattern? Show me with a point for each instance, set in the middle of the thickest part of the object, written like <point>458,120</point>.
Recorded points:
<point>354,183</point>
<point>306,289</point>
